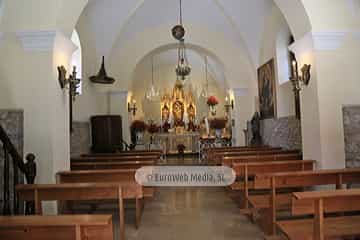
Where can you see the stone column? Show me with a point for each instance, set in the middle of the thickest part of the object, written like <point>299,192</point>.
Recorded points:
<point>241,114</point>
<point>334,82</point>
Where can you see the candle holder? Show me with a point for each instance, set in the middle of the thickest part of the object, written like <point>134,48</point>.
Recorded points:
<point>300,80</point>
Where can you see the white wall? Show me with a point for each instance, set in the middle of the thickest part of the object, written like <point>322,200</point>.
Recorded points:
<point>275,45</point>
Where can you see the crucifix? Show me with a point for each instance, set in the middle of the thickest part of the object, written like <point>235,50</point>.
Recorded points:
<point>73,84</point>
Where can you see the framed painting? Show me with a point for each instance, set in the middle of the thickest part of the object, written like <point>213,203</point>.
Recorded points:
<point>267,90</point>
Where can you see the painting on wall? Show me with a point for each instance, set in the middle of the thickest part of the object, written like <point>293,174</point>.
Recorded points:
<point>267,90</point>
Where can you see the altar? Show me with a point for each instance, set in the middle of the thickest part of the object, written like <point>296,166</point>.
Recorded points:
<point>171,141</point>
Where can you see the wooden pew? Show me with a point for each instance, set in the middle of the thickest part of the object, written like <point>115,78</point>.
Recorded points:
<point>218,157</point>
<point>71,227</point>
<point>101,176</point>
<point>115,158</point>
<point>125,153</point>
<point>276,181</point>
<point>321,227</point>
<point>83,192</point>
<point>246,170</point>
<point>77,166</point>
<point>229,161</point>
<point>209,152</point>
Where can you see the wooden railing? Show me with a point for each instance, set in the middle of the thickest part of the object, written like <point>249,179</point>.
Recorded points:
<point>12,206</point>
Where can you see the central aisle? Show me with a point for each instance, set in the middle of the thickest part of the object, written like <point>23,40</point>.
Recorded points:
<point>193,213</point>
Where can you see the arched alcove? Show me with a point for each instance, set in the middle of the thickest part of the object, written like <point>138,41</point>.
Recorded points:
<point>164,61</point>
<point>76,58</point>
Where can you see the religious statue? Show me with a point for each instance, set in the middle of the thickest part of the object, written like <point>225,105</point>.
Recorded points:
<point>191,112</point>
<point>165,113</point>
<point>255,129</point>
<point>178,113</point>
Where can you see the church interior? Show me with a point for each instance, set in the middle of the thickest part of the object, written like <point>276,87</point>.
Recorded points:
<point>179,119</point>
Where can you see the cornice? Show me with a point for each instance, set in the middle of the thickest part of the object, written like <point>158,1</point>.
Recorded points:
<point>328,41</point>
<point>37,41</point>
<point>357,35</point>
<point>240,92</point>
<point>1,38</point>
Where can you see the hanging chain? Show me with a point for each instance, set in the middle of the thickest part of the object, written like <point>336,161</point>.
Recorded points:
<point>181,22</point>
<point>152,70</point>
<point>206,74</point>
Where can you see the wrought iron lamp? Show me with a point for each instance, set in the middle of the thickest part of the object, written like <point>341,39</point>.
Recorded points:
<point>178,31</point>
<point>102,76</point>
<point>132,107</point>
<point>74,84</point>
<point>299,80</point>
<point>183,68</point>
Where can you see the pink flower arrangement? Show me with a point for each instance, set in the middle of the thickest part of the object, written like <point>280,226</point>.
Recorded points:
<point>212,101</point>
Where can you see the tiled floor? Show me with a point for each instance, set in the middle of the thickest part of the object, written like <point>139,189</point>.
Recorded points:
<point>189,213</point>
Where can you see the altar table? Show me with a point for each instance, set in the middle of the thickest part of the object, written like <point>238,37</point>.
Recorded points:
<point>170,141</point>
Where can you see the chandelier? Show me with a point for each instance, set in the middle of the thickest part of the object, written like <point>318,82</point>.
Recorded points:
<point>205,91</point>
<point>183,68</point>
<point>152,92</point>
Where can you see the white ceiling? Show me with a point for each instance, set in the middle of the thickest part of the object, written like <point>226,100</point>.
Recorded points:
<point>241,21</point>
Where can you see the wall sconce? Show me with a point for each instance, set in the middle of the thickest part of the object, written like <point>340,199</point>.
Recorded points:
<point>132,107</point>
<point>228,104</point>
<point>73,84</point>
<point>300,80</point>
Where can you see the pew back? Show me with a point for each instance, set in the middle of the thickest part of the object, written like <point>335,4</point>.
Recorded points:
<point>69,227</point>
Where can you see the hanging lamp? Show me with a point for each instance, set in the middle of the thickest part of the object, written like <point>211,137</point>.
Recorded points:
<point>102,76</point>
<point>178,31</point>
<point>152,92</point>
<point>205,92</point>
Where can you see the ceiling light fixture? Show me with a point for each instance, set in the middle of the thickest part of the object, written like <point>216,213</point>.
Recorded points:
<point>152,92</point>
<point>183,68</point>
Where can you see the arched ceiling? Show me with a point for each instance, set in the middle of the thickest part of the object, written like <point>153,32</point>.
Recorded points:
<point>110,22</point>
<point>164,57</point>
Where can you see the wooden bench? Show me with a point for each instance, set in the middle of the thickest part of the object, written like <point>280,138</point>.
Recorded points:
<point>125,153</point>
<point>246,170</point>
<point>218,157</point>
<point>71,227</point>
<point>76,166</point>
<point>209,152</point>
<point>229,161</point>
<point>134,158</point>
<point>83,192</point>
<point>321,227</point>
<point>101,176</point>
<point>277,181</point>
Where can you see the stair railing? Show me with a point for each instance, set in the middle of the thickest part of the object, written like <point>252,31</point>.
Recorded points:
<point>28,169</point>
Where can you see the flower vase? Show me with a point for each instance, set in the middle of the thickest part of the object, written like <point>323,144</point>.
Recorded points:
<point>212,110</point>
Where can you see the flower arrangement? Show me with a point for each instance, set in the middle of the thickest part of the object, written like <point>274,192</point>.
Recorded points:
<point>138,126</point>
<point>153,128</point>
<point>218,123</point>
<point>212,101</point>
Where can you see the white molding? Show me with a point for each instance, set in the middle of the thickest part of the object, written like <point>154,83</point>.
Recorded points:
<point>302,45</point>
<point>1,38</point>
<point>37,41</point>
<point>356,35</point>
<point>328,41</point>
<point>240,92</point>
<point>64,44</point>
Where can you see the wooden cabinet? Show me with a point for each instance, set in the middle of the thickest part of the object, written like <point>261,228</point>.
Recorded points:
<point>106,131</point>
